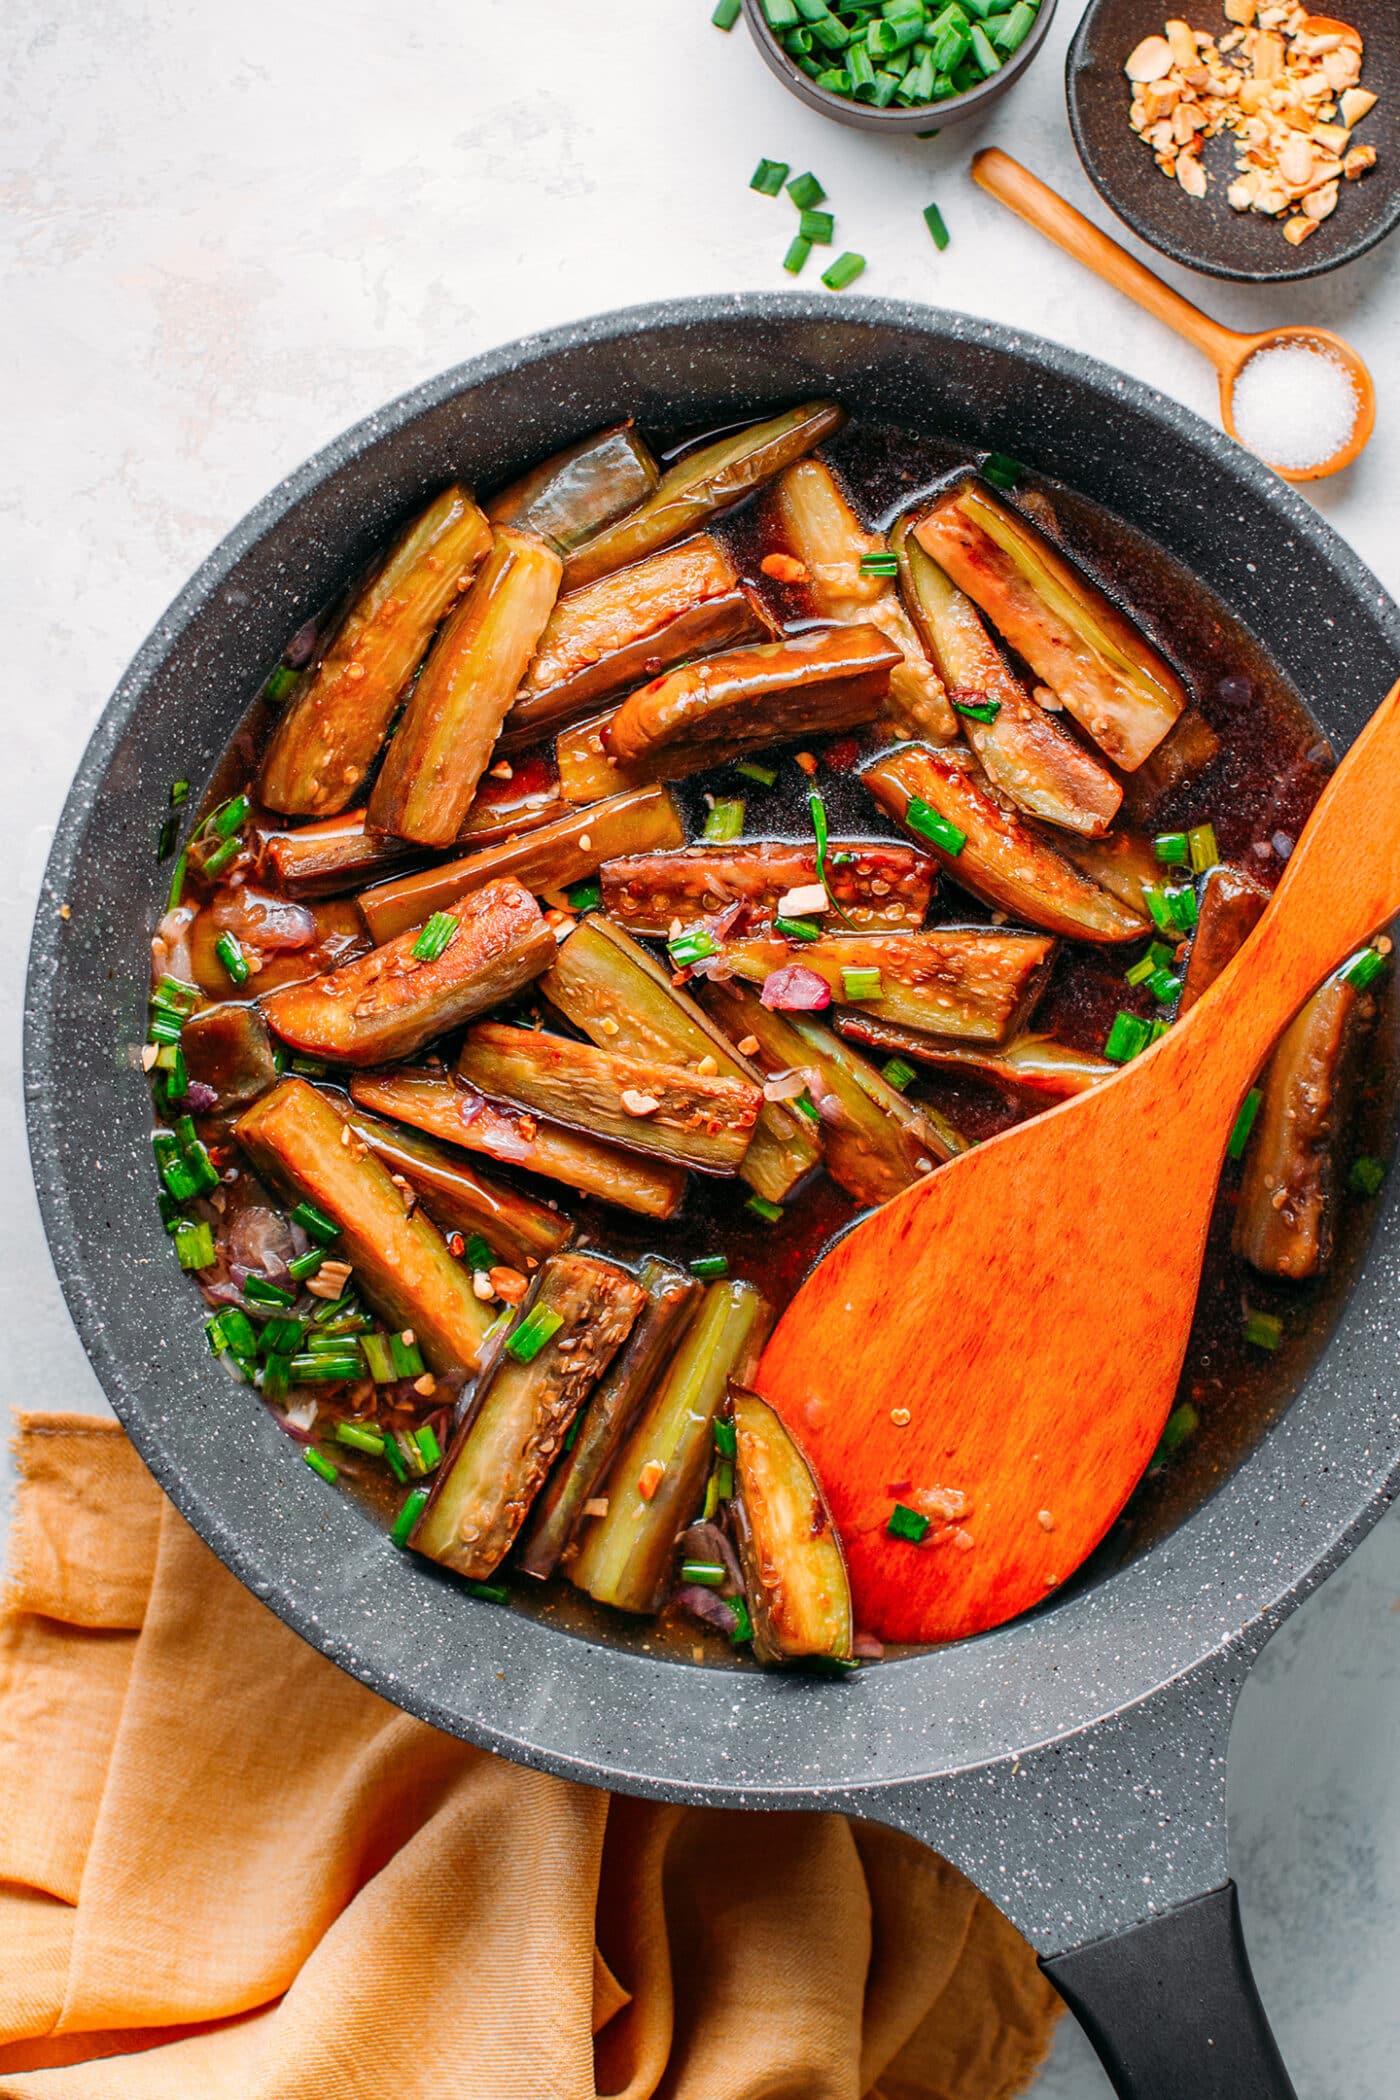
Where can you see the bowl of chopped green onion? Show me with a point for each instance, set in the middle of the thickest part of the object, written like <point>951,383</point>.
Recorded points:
<point>898,65</point>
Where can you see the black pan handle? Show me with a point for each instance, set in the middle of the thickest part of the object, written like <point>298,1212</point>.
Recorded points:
<point>1172,2008</point>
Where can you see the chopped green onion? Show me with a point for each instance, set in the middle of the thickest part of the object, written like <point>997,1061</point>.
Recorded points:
<point>280,684</point>
<point>168,839</point>
<point>843,271</point>
<point>476,1253</point>
<point>319,1463</point>
<point>781,14</point>
<point>429,1448</point>
<point>1182,1422</point>
<point>571,1434</point>
<point>194,1244</point>
<point>1204,851</point>
<point>584,896</point>
<point>1158,956</point>
<point>1002,470</point>
<point>1126,1038</point>
<point>1018,26</point>
<point>709,1574</point>
<point>322,1343</point>
<point>879,562</point>
<point>218,860</point>
<point>1363,969</point>
<point>1163,986</point>
<point>709,1266</point>
<point>726,1437</point>
<point>179,793</point>
<point>693,947</point>
<point>983,710</point>
<point>1367,1175</point>
<point>805,1108</point>
<point>282,1337</point>
<point>752,770</point>
<point>414,1505</point>
<point>762,1208</point>
<point>264,1293</point>
<point>230,817</point>
<point>769,176</point>
<point>1263,1330</point>
<point>1173,849</point>
<point>794,261</point>
<point>177,882</point>
<point>393,1459</point>
<point>232,957</point>
<point>173,995</point>
<point>538,1326</point>
<point>408,1358</point>
<point>233,1331</point>
<point>201,1168</point>
<point>378,1360</point>
<point>817,227</point>
<point>725,820</point>
<point>275,1378</point>
<point>933,219</point>
<point>489,1592</point>
<point>360,1439</point>
<point>835,79</point>
<point>743,1624</point>
<point>315,1223</point>
<point>861,984</point>
<point>1156,1030</point>
<point>171,1061</point>
<point>311,1368</point>
<point>924,819</point>
<point>899,1075</point>
<point>436,937</point>
<point>302,1266</point>
<point>805,191</point>
<point>1184,908</point>
<point>1244,1124</point>
<point>799,43</point>
<point>906,1523</point>
<point>984,56</point>
<point>797,929</point>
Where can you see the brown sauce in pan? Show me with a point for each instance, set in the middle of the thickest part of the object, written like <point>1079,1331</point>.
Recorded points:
<point>1272,764</point>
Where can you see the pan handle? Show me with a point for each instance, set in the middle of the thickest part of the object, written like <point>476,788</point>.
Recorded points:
<point>1172,2009</point>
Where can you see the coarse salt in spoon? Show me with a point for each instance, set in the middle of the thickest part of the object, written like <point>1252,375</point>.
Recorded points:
<point>1000,1345</point>
<point>1300,398</point>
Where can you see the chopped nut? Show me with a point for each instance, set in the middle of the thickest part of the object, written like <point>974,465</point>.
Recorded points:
<point>637,1104</point>
<point>1356,104</point>
<point>1358,161</point>
<point>747,1046</point>
<point>425,1385</point>
<point>482,1286</point>
<point>1298,229</point>
<point>901,1417</point>
<point>502,770</point>
<point>1322,203</point>
<point>508,1284</point>
<point>1152,60</point>
<point>1046,1521</point>
<point>1181,39</point>
<point>707,1066</point>
<point>784,568</point>
<point>1191,175</point>
<point>1241,11</point>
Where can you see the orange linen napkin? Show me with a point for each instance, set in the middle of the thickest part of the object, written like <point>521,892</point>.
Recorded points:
<point>228,1872</point>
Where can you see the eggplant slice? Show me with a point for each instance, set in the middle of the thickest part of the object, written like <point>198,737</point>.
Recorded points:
<point>799,1593</point>
<point>575,493</point>
<point>874,885</point>
<point>958,980</point>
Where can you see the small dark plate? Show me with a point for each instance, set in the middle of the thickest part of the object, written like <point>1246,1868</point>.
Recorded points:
<point>1204,233</point>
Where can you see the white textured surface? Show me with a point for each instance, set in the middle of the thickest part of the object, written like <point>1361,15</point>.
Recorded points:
<point>232,232</point>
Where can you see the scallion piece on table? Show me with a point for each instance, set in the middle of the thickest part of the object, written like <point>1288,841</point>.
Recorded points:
<point>752,770</point>
<point>1182,1422</point>
<point>817,227</point>
<point>1244,1123</point>
<point>906,1523</point>
<point>898,1074</point>
<point>413,1508</point>
<point>762,1208</point>
<point>797,929</point>
<point>231,955</point>
<point>1172,849</point>
<point>1205,853</point>
<point>317,1226</point>
<point>709,1574</point>
<point>982,710</point>
<point>1363,969</point>
<point>1263,1330</point>
<point>879,563</point>
<point>727,13</point>
<point>302,1266</point>
<point>534,1331</point>
<point>709,1267</point>
<point>924,819</point>
<point>725,820</point>
<point>262,1292</point>
<point>934,220</point>
<point>1126,1038</point>
<point>429,1448</point>
<point>1367,1175</point>
<point>194,1244</point>
<point>319,1463</point>
<point>843,271</point>
<point>768,177</point>
<point>743,1625</point>
<point>805,191</point>
<point>360,1439</point>
<point>693,947</point>
<point>794,261</point>
<point>436,937</point>
<point>584,896</point>
<point>861,984</point>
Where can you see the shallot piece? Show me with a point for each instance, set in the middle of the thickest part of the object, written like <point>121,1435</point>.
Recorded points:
<point>785,1086</point>
<point>269,924</point>
<point>795,990</point>
<point>707,1605</point>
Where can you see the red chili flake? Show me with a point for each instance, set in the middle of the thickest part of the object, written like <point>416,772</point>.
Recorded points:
<point>456,1245</point>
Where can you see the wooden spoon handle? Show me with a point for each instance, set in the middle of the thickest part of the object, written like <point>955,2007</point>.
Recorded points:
<point>1340,887</point>
<point>1031,200</point>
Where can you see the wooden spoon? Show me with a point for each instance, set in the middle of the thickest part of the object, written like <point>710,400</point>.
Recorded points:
<point>1227,349</point>
<point>1012,1329</point>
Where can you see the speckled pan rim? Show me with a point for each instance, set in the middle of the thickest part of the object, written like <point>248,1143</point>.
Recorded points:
<point>1292,1511</point>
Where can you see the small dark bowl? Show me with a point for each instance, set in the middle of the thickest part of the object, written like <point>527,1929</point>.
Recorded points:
<point>926,117</point>
<point>1205,233</point>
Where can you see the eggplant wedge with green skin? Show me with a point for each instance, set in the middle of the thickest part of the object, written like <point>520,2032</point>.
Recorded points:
<point>228,1047</point>
<point>391,1002</point>
<point>295,1138</point>
<point>589,773</point>
<point>430,1101</point>
<point>816,683</point>
<point>703,485</point>
<point>1123,863</point>
<point>810,517</point>
<point>548,858</point>
<point>1001,859</point>
<point>444,743</point>
<point>1023,750</point>
<point>1029,1064</point>
<point>875,886</point>
<point>499,1458</point>
<point>331,859</point>
<point>1093,659</point>
<point>519,1231</point>
<point>876,1143</point>
<point>685,1117</point>
<point>616,633</point>
<point>799,1593</point>
<point>337,718</point>
<point>1231,906</point>
<point>577,492</point>
<point>1286,1219</point>
<point>953,980</point>
<point>626,1558</point>
<point>671,1299</point>
<point>617,995</point>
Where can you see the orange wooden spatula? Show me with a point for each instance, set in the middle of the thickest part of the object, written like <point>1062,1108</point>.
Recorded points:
<point>1012,1329</point>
